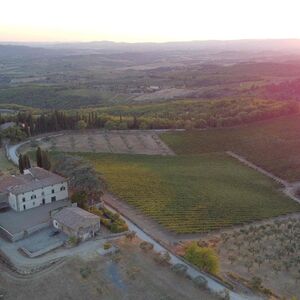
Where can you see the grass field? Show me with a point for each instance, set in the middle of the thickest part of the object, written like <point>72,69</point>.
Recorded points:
<point>273,145</point>
<point>188,194</point>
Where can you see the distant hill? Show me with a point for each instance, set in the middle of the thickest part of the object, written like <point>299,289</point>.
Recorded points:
<point>290,45</point>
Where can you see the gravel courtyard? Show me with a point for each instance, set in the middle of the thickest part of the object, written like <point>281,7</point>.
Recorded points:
<point>131,274</point>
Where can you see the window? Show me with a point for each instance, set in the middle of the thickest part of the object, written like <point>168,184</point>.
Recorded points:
<point>52,191</point>
<point>43,201</point>
<point>62,188</point>
<point>43,193</point>
<point>24,199</point>
<point>24,206</point>
<point>53,199</point>
<point>33,196</point>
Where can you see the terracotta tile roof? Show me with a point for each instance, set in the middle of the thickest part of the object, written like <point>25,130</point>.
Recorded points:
<point>35,178</point>
<point>76,218</point>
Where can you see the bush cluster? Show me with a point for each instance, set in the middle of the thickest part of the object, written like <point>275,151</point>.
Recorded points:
<point>111,220</point>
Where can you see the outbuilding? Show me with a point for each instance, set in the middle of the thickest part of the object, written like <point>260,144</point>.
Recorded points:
<point>76,222</point>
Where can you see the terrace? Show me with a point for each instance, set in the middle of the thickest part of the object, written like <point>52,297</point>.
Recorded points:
<point>15,225</point>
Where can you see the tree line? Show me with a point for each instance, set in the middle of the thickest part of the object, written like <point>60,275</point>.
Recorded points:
<point>42,160</point>
<point>173,115</point>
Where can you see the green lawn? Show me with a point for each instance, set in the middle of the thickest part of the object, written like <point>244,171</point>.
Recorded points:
<point>189,194</point>
<point>273,145</point>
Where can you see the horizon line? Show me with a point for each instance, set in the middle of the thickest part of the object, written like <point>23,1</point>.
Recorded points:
<point>147,42</point>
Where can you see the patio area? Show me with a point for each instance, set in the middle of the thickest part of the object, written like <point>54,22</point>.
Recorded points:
<point>42,242</point>
<point>17,225</point>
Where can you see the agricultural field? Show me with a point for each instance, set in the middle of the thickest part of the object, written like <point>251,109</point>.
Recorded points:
<point>268,251</point>
<point>131,274</point>
<point>273,145</point>
<point>191,194</point>
<point>131,142</point>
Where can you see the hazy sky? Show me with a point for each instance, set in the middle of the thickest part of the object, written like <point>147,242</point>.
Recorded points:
<point>152,20</point>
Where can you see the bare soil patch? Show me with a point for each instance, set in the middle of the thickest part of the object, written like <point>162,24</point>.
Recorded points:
<point>132,274</point>
<point>96,141</point>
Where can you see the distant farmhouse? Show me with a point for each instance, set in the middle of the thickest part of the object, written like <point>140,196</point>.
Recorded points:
<point>34,188</point>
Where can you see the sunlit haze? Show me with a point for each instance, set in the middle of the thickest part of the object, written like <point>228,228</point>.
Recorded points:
<point>141,20</point>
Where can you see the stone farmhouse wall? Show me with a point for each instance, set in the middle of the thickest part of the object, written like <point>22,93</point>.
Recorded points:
<point>39,197</point>
<point>83,233</point>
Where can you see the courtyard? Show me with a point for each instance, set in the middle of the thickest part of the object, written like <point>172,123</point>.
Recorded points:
<point>20,224</point>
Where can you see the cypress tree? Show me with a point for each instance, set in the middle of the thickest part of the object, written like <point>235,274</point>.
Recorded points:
<point>39,157</point>
<point>26,162</point>
<point>21,165</point>
<point>46,164</point>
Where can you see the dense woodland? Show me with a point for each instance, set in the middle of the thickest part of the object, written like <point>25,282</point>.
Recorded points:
<point>67,89</point>
<point>186,114</point>
<point>287,90</point>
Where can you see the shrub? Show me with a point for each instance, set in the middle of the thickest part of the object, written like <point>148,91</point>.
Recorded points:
<point>97,212</point>
<point>131,235</point>
<point>117,227</point>
<point>85,272</point>
<point>132,273</point>
<point>107,246</point>
<point>256,283</point>
<point>203,257</point>
<point>225,295</point>
<point>162,258</point>
<point>111,220</point>
<point>146,246</point>
<point>81,124</point>
<point>73,240</point>
<point>106,222</point>
<point>200,281</point>
<point>179,269</point>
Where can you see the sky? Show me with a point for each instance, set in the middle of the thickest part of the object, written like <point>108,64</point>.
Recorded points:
<point>147,20</point>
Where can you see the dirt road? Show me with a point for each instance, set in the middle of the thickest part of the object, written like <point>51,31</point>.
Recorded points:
<point>289,188</point>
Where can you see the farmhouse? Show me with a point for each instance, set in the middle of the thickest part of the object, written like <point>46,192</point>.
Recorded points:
<point>76,222</point>
<point>34,188</point>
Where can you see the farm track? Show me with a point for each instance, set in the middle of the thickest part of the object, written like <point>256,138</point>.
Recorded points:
<point>124,140</point>
<point>289,188</point>
<point>213,284</point>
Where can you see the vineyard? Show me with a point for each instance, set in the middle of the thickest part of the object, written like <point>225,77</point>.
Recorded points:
<point>273,145</point>
<point>189,194</point>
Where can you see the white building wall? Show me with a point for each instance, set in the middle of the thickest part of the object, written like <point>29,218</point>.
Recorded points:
<point>12,200</point>
<point>42,196</point>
